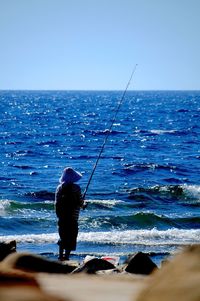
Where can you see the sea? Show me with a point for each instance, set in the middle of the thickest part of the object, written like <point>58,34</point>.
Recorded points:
<point>144,195</point>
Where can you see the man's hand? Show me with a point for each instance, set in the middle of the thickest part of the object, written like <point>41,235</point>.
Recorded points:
<point>84,205</point>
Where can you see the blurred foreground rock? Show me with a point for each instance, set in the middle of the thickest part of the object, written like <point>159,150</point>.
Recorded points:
<point>20,286</point>
<point>35,263</point>
<point>178,279</point>
<point>44,280</point>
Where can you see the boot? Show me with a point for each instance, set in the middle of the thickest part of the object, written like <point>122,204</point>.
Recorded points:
<point>67,253</point>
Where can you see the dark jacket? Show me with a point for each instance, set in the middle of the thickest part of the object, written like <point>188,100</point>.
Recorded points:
<point>68,201</point>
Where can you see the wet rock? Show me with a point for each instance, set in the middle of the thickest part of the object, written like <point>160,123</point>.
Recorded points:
<point>7,248</point>
<point>35,263</point>
<point>94,265</point>
<point>140,264</point>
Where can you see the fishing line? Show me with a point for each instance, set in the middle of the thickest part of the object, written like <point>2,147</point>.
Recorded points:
<point>109,130</point>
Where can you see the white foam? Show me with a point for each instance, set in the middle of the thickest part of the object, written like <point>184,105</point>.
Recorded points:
<point>143,237</point>
<point>194,190</point>
<point>160,132</point>
<point>31,238</point>
<point>133,237</point>
<point>105,202</point>
<point>4,204</point>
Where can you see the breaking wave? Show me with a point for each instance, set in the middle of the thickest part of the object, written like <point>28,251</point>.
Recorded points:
<point>133,237</point>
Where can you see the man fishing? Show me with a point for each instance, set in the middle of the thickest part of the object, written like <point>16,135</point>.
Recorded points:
<point>68,201</point>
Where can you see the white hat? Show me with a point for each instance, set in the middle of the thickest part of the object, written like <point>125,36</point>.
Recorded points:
<point>70,176</point>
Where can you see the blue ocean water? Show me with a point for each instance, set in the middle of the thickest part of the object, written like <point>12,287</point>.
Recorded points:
<point>145,193</point>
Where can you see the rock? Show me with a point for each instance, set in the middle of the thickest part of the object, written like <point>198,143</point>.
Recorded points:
<point>178,279</point>
<point>35,263</point>
<point>7,248</point>
<point>94,265</point>
<point>140,264</point>
<point>12,276</point>
<point>20,286</point>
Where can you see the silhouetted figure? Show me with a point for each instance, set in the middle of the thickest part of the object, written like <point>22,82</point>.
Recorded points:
<point>68,201</point>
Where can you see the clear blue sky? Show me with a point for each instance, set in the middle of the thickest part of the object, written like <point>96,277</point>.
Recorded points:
<point>94,44</point>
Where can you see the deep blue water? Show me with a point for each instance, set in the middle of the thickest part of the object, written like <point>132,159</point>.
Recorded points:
<point>145,193</point>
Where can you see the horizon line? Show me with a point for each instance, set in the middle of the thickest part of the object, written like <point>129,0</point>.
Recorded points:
<point>97,90</point>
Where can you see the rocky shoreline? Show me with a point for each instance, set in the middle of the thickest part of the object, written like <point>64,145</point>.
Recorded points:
<point>28,277</point>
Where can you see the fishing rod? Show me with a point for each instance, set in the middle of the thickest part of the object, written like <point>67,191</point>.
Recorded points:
<point>109,131</point>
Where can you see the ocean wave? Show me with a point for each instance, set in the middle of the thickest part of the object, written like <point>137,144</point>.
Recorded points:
<point>47,142</point>
<point>4,205</point>
<point>135,198</point>
<point>193,190</point>
<point>184,193</point>
<point>177,191</point>
<point>26,222</point>
<point>156,193</point>
<point>103,132</point>
<point>144,237</point>
<point>106,214</point>
<point>42,195</point>
<point>8,206</point>
<point>161,132</point>
<point>22,166</point>
<point>176,237</point>
<point>103,204</point>
<point>139,220</point>
<point>21,153</point>
<point>155,132</point>
<point>135,168</point>
<point>31,238</point>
